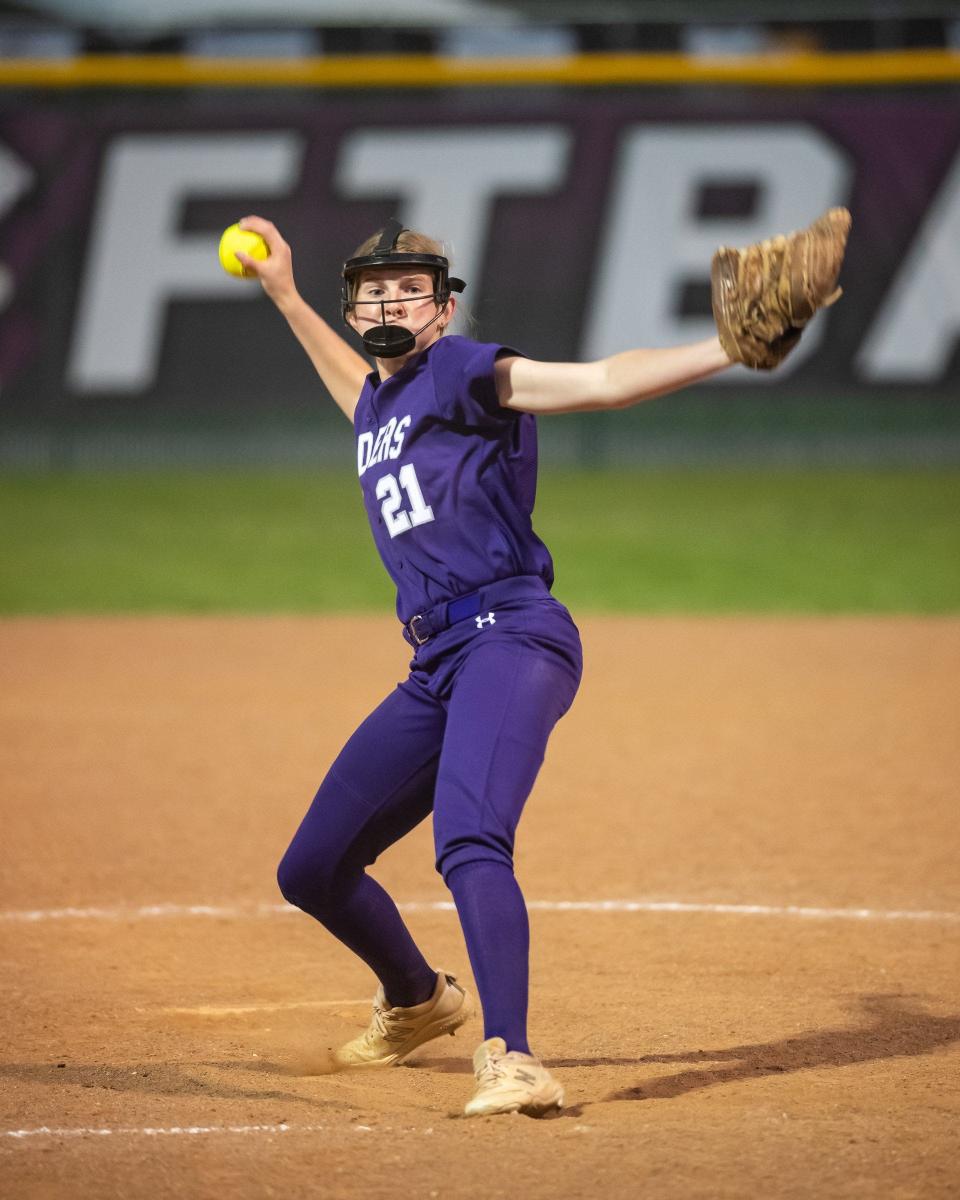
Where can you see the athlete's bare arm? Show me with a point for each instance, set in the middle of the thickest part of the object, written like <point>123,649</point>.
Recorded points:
<point>615,382</point>
<point>341,368</point>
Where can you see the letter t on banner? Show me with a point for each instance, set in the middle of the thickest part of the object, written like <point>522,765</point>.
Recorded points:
<point>448,178</point>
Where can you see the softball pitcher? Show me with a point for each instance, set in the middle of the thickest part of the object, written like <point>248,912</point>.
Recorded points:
<point>447,460</point>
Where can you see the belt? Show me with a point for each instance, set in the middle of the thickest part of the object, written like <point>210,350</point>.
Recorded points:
<point>424,626</point>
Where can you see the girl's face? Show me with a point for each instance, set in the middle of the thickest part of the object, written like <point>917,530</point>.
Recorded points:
<point>399,296</point>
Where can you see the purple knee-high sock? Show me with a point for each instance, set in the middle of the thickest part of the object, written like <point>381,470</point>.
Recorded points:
<point>367,922</point>
<point>497,932</point>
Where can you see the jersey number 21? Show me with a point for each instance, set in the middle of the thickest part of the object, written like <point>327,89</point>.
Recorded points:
<point>390,491</point>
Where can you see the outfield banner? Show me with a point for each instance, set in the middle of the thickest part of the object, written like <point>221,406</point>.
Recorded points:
<point>583,223</point>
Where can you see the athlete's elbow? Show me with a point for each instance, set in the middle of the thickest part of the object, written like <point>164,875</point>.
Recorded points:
<point>624,400</point>
<point>604,392</point>
<point>612,398</point>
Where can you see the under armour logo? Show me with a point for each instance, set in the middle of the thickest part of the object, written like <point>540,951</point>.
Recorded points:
<point>489,619</point>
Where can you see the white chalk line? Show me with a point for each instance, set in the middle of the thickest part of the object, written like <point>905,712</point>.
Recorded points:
<point>217,1010</point>
<point>48,1131</point>
<point>235,912</point>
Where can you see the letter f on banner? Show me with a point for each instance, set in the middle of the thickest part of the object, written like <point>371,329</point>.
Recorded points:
<point>139,260</point>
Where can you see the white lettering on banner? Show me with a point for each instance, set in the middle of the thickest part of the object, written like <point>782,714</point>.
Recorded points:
<point>448,178</point>
<point>445,179</point>
<point>16,179</point>
<point>916,331</point>
<point>655,242</point>
<point>387,442</point>
<point>139,261</point>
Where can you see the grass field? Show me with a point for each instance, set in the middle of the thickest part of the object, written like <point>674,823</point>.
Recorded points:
<point>678,541</point>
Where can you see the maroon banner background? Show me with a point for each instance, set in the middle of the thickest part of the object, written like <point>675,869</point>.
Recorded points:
<point>539,260</point>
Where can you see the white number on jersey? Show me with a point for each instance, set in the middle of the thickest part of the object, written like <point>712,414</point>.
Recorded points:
<point>390,491</point>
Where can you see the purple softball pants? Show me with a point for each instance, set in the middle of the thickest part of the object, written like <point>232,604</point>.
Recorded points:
<point>464,737</point>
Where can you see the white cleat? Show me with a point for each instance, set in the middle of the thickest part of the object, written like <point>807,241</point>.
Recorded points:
<point>511,1082</point>
<point>393,1033</point>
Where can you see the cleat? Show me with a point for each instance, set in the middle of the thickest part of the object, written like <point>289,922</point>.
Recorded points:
<point>393,1033</point>
<point>511,1082</point>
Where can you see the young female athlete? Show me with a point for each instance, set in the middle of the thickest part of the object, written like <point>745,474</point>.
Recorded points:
<point>446,453</point>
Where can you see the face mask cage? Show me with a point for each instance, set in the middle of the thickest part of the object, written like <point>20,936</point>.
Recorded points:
<point>387,341</point>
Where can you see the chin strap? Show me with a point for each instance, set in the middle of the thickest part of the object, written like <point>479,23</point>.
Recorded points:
<point>391,341</point>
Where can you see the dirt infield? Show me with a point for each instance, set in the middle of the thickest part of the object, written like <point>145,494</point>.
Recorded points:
<point>162,1012</point>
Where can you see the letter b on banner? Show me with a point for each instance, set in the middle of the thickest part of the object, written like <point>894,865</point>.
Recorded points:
<point>657,242</point>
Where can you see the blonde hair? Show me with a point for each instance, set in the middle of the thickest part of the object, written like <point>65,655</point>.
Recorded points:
<point>409,242</point>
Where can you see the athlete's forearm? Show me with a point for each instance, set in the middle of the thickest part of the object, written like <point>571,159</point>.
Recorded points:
<point>609,383</point>
<point>638,375</point>
<point>341,368</point>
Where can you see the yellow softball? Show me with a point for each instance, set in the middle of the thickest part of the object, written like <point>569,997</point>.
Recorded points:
<point>247,242</point>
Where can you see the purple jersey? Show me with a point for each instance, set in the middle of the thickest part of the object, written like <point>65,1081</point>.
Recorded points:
<point>448,476</point>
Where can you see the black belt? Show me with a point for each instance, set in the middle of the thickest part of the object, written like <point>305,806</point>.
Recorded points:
<point>424,626</point>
